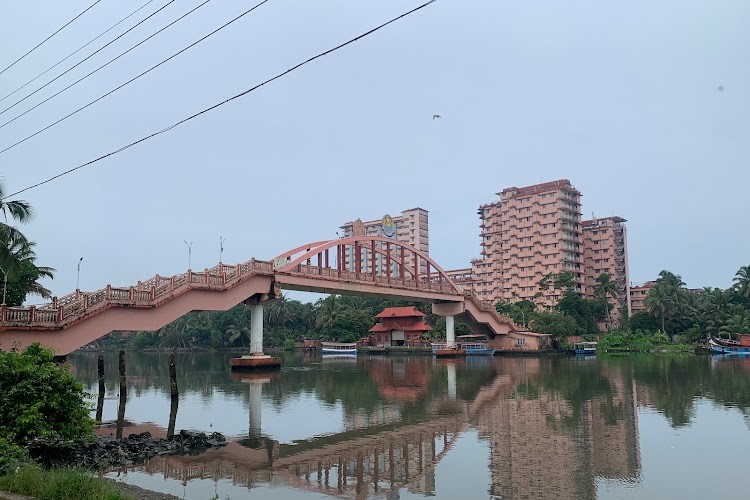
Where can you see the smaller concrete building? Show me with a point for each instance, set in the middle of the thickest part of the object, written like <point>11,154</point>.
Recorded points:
<point>638,296</point>
<point>401,326</point>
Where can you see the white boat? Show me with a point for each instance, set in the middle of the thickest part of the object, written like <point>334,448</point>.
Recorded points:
<point>338,348</point>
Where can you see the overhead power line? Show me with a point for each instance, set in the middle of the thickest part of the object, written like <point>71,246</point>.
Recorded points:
<point>211,108</point>
<point>132,79</point>
<point>53,34</point>
<point>79,49</point>
<point>92,55</point>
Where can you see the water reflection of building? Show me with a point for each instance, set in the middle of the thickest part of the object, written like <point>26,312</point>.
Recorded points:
<point>399,378</point>
<point>542,446</point>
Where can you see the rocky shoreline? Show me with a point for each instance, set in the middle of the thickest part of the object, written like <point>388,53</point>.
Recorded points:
<point>108,452</point>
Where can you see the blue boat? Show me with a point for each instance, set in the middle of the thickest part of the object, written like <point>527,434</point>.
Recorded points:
<point>723,348</point>
<point>477,349</point>
<point>475,345</point>
<point>585,348</point>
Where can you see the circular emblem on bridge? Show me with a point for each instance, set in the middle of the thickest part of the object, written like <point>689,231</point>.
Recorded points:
<point>279,263</point>
<point>389,226</point>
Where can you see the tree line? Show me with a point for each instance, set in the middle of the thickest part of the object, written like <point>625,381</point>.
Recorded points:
<point>671,310</point>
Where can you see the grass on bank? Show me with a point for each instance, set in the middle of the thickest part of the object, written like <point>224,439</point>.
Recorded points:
<point>58,484</point>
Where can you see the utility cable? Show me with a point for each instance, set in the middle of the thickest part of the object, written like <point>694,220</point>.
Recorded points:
<point>79,49</point>
<point>132,79</point>
<point>211,108</point>
<point>92,55</point>
<point>53,34</point>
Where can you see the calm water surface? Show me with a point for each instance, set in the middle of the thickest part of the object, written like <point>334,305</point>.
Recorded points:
<point>410,427</point>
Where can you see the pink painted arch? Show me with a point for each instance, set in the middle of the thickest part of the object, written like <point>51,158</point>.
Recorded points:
<point>313,249</point>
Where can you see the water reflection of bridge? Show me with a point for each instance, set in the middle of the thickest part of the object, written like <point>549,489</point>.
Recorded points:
<point>358,463</point>
<point>542,442</point>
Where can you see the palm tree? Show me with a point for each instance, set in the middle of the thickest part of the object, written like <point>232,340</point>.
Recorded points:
<point>737,323</point>
<point>23,274</point>
<point>279,312</point>
<point>605,289</point>
<point>742,281</point>
<point>672,280</point>
<point>327,312</point>
<point>659,301</point>
<point>239,328</point>
<point>19,211</point>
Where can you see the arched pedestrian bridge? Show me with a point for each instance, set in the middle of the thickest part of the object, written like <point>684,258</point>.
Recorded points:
<point>369,266</point>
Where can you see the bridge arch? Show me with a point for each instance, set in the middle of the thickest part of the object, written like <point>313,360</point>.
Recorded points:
<point>351,254</point>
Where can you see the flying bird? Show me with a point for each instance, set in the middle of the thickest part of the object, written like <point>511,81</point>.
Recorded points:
<point>435,117</point>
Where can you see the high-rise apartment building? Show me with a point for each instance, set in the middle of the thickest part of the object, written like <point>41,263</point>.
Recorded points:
<point>605,250</point>
<point>529,233</point>
<point>411,227</point>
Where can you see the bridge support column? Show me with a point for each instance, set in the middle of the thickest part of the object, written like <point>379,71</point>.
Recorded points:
<point>256,360</point>
<point>256,329</point>
<point>450,331</point>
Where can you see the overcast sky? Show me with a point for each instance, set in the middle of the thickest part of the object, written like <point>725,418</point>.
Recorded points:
<point>643,104</point>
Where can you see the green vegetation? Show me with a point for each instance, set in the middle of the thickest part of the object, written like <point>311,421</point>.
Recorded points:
<point>695,314</point>
<point>573,314</point>
<point>672,311</point>
<point>637,340</point>
<point>39,398</point>
<point>59,484</point>
<point>341,318</point>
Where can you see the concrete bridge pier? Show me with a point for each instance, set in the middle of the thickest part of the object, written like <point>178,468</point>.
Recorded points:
<point>257,359</point>
<point>449,310</point>
<point>450,331</point>
<point>256,329</point>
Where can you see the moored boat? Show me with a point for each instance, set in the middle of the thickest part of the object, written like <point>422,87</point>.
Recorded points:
<point>477,349</point>
<point>475,345</point>
<point>338,348</point>
<point>444,350</point>
<point>585,348</point>
<point>722,347</point>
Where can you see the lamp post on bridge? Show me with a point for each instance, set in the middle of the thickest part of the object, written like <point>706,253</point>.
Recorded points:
<point>221,248</point>
<point>190,253</point>
<point>78,275</point>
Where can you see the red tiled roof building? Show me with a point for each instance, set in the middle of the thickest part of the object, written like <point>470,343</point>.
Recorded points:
<point>401,326</point>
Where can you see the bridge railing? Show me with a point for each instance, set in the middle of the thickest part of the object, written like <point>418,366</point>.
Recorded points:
<point>145,293</point>
<point>483,305</point>
<point>433,285</point>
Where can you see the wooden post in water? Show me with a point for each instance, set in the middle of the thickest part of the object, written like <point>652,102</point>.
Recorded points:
<point>172,416</point>
<point>174,393</point>
<point>100,399</point>
<point>123,396</point>
<point>172,377</point>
